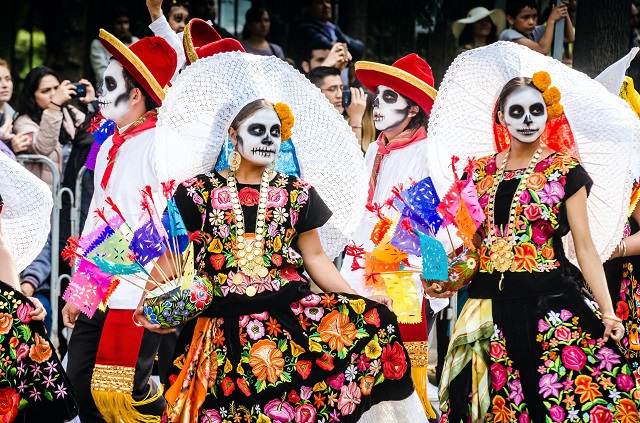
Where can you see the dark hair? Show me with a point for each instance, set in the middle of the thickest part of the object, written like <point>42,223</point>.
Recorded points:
<point>466,36</point>
<point>131,83</point>
<point>167,5</point>
<point>253,15</point>
<point>509,88</point>
<point>307,51</point>
<point>317,75</point>
<point>515,6</point>
<point>420,119</point>
<point>249,110</point>
<point>27,100</point>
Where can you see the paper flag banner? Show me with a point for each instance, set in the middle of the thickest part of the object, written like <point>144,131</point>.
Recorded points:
<point>405,237</point>
<point>466,226</point>
<point>147,244</point>
<point>88,287</point>
<point>380,230</point>
<point>389,254</point>
<point>422,201</point>
<point>189,272</point>
<point>434,259</point>
<point>402,290</point>
<point>174,225</point>
<point>469,197</point>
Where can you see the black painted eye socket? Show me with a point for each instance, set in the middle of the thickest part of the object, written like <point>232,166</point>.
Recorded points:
<point>389,96</point>
<point>257,129</point>
<point>537,109</point>
<point>275,131</point>
<point>110,83</point>
<point>516,111</point>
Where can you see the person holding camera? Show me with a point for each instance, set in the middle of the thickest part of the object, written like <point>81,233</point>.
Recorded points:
<point>349,102</point>
<point>51,123</point>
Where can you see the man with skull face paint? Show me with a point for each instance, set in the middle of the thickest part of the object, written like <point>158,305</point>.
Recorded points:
<point>405,96</point>
<point>134,86</point>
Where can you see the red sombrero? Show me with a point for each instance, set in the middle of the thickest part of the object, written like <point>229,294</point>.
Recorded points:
<point>201,40</point>
<point>410,76</point>
<point>151,61</point>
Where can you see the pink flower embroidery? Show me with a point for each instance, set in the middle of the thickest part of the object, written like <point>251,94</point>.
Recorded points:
<point>220,198</point>
<point>349,398</point>
<point>277,197</point>
<point>552,193</point>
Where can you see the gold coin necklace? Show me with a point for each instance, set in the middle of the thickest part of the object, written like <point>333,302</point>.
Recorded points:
<point>501,252</point>
<point>250,252</point>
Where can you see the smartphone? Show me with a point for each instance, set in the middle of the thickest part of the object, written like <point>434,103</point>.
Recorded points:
<point>81,90</point>
<point>30,136</point>
<point>346,98</point>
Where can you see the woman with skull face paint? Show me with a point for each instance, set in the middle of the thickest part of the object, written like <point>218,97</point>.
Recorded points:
<point>264,325</point>
<point>548,357</point>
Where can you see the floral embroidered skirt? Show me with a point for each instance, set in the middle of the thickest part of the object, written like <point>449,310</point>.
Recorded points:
<point>33,385</point>
<point>548,363</point>
<point>324,358</point>
<point>624,288</point>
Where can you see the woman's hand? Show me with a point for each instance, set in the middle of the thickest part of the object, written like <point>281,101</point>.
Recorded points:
<point>63,93</point>
<point>91,92</point>
<point>5,129</point>
<point>39,313</point>
<point>21,141</point>
<point>384,300</point>
<point>433,289</point>
<point>70,314</point>
<point>138,316</point>
<point>612,328</point>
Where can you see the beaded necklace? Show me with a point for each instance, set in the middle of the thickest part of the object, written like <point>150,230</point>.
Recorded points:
<point>250,252</point>
<point>501,252</point>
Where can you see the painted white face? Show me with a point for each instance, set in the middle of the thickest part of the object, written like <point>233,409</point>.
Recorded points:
<point>259,137</point>
<point>390,109</point>
<point>525,114</point>
<point>113,96</point>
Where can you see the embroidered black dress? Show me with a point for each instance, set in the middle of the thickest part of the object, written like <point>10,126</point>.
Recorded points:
<point>33,384</point>
<point>269,349</point>
<point>545,356</point>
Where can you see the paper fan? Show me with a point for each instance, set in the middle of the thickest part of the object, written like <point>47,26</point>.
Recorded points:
<point>207,95</point>
<point>605,130</point>
<point>26,215</point>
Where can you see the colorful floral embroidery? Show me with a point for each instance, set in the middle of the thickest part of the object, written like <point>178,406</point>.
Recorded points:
<point>581,376</point>
<point>627,310</point>
<point>283,211</point>
<point>507,404</point>
<point>270,360</point>
<point>29,369</point>
<point>538,213</point>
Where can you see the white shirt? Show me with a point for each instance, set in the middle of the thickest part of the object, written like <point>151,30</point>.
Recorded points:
<point>401,166</point>
<point>134,169</point>
<point>161,28</point>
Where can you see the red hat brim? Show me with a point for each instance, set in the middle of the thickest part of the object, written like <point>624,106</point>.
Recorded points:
<point>201,40</point>
<point>373,74</point>
<point>134,65</point>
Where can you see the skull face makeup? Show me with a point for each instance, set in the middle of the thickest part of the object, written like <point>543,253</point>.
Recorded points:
<point>390,109</point>
<point>113,95</point>
<point>525,114</point>
<point>259,137</point>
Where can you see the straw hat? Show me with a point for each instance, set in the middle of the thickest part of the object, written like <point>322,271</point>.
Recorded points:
<point>410,76</point>
<point>205,98</point>
<point>477,14</point>
<point>151,61</point>
<point>25,219</point>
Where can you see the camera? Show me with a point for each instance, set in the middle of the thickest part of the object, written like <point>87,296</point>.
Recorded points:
<point>81,90</point>
<point>346,98</point>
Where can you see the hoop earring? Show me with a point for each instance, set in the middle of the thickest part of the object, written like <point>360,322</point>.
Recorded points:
<point>234,160</point>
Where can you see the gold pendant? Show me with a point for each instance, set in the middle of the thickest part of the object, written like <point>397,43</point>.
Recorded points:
<point>237,279</point>
<point>262,271</point>
<point>501,255</point>
<point>251,291</point>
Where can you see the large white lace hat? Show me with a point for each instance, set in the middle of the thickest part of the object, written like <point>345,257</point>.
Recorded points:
<point>197,111</point>
<point>605,129</point>
<point>26,215</point>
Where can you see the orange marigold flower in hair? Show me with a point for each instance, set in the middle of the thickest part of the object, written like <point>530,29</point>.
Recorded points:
<point>555,110</point>
<point>286,119</point>
<point>551,96</point>
<point>541,80</point>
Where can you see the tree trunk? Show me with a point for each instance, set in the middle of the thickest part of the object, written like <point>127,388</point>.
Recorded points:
<point>602,35</point>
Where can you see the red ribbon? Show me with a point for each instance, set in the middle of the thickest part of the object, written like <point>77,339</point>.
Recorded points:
<point>147,121</point>
<point>405,138</point>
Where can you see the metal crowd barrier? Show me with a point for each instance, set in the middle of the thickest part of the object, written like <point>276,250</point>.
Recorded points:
<point>58,192</point>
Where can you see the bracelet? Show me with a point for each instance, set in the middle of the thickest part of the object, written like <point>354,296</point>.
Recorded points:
<point>614,318</point>
<point>136,321</point>
<point>622,248</point>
